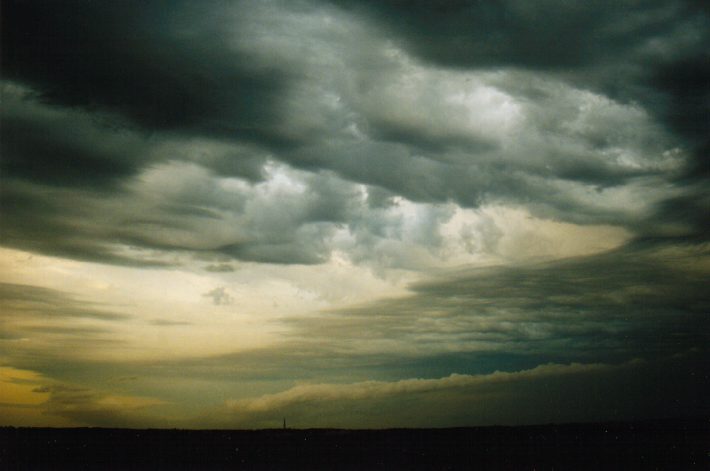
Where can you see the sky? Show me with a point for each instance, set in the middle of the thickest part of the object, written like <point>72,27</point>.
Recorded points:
<point>370,214</point>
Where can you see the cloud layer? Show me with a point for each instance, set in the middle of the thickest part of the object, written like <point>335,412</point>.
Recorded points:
<point>296,205</point>
<point>329,91</point>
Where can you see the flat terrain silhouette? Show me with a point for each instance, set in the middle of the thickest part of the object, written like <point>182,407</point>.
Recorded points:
<point>652,444</point>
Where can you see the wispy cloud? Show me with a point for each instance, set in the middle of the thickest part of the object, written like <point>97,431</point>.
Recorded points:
<point>83,406</point>
<point>27,300</point>
<point>219,296</point>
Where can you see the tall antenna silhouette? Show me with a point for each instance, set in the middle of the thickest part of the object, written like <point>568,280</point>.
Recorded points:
<point>284,423</point>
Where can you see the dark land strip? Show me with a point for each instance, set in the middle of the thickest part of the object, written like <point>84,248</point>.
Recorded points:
<point>652,444</point>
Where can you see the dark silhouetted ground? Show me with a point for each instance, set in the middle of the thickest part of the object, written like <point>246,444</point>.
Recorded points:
<point>658,444</point>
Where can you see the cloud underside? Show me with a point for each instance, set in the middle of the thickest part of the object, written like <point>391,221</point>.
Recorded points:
<point>357,99</point>
<point>616,306</point>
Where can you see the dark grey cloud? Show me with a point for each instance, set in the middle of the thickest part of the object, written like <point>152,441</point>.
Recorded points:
<point>613,307</point>
<point>180,208</point>
<point>164,66</point>
<point>690,213</point>
<point>544,35</point>
<point>591,113</point>
<point>653,53</point>
<point>55,146</point>
<point>59,222</point>
<point>73,147</point>
<point>685,83</point>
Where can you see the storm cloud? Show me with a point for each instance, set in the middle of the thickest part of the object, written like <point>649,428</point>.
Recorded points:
<point>352,195</point>
<point>508,120</point>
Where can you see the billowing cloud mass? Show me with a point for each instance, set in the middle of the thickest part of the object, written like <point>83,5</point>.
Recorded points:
<point>258,209</point>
